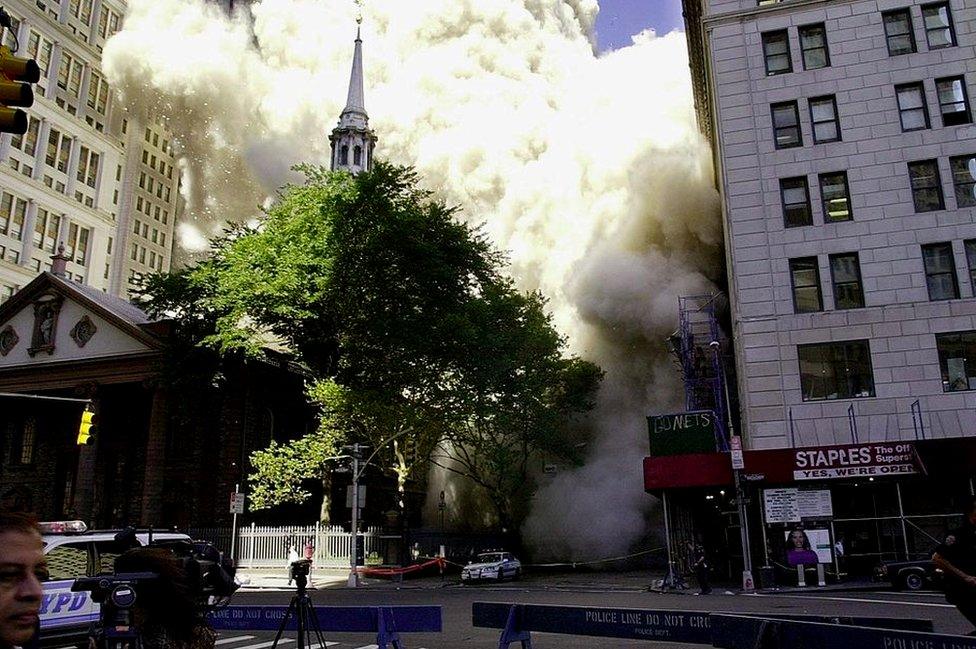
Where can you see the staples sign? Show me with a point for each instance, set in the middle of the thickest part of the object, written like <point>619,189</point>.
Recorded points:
<point>855,461</point>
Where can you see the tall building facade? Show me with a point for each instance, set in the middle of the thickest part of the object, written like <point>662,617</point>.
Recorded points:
<point>86,175</point>
<point>845,156</point>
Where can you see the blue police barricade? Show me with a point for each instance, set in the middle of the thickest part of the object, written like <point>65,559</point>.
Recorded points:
<point>517,621</point>
<point>387,622</point>
<point>736,631</point>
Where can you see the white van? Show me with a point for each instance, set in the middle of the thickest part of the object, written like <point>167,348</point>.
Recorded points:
<point>72,552</point>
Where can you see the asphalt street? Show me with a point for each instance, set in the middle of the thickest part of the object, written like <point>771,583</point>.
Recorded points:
<point>456,601</point>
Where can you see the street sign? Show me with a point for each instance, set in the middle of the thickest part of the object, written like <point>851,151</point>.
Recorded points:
<point>738,462</point>
<point>362,497</point>
<point>237,503</point>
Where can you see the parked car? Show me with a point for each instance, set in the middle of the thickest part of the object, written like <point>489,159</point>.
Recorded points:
<point>73,551</point>
<point>911,575</point>
<point>492,565</point>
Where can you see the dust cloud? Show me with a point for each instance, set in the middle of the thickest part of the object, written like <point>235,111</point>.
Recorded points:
<point>588,169</point>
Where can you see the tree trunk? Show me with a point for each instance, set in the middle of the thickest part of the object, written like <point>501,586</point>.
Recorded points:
<point>326,499</point>
<point>402,470</point>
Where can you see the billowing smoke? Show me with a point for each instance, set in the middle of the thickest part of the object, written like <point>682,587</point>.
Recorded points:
<point>588,169</point>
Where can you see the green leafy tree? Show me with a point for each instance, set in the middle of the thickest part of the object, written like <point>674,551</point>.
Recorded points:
<point>400,312</point>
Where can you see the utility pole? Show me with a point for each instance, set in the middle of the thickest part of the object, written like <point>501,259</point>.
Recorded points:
<point>747,582</point>
<point>353,573</point>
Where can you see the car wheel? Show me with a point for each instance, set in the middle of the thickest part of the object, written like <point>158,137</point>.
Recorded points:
<point>913,581</point>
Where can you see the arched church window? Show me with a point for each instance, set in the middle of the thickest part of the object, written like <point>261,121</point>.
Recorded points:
<point>357,156</point>
<point>344,155</point>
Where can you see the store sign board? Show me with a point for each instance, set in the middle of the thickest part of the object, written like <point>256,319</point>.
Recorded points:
<point>682,433</point>
<point>792,505</point>
<point>855,461</point>
<point>781,505</point>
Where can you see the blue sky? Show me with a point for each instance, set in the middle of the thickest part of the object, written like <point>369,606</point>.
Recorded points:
<point>619,19</point>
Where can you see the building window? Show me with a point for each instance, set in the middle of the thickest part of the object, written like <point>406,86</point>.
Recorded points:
<point>344,155</point>
<point>953,102</point>
<point>806,285</point>
<point>813,45</point>
<point>971,262</point>
<point>926,185</point>
<point>964,179</point>
<point>776,52</point>
<point>938,25</point>
<point>911,106</point>
<point>836,370</point>
<point>28,437</point>
<point>845,274</point>
<point>940,271</point>
<point>835,197</point>
<point>957,359</point>
<point>823,116</point>
<point>796,202</point>
<point>786,125</point>
<point>898,32</point>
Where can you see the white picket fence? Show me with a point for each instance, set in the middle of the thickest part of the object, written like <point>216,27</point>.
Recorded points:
<point>267,547</point>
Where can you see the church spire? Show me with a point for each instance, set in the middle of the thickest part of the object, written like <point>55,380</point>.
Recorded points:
<point>352,140</point>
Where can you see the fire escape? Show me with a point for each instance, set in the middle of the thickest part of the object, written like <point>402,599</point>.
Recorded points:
<point>703,365</point>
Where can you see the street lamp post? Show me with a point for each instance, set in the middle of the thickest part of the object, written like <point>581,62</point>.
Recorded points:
<point>747,582</point>
<point>354,525</point>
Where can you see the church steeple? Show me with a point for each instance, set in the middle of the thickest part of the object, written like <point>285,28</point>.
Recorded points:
<point>352,140</point>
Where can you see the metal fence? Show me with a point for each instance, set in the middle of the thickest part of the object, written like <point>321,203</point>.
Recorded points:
<point>268,547</point>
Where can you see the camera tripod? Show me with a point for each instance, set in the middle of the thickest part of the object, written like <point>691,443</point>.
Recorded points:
<point>303,612</point>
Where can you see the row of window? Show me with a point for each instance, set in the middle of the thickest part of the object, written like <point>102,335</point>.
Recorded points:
<point>953,101</point>
<point>145,206</point>
<point>13,211</point>
<point>899,37</point>
<point>152,137</point>
<point>163,168</point>
<point>139,253</point>
<point>842,370</point>
<point>149,184</point>
<point>938,262</point>
<point>142,229</point>
<point>835,195</point>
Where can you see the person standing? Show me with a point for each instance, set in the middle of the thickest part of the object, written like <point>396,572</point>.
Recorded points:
<point>292,558</point>
<point>22,569</point>
<point>700,565</point>
<point>957,559</point>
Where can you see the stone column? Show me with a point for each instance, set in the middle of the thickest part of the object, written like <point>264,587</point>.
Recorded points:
<point>152,484</point>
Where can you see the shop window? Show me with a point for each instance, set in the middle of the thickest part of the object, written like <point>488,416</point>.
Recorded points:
<point>957,360</point>
<point>840,370</point>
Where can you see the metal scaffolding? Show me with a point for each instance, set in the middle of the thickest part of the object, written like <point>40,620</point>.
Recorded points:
<point>702,369</point>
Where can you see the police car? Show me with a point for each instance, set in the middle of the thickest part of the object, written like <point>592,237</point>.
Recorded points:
<point>71,552</point>
<point>492,565</point>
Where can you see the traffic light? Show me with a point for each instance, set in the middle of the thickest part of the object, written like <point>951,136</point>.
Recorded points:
<point>88,427</point>
<point>16,75</point>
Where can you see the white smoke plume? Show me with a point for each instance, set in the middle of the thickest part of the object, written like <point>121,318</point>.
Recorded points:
<point>587,169</point>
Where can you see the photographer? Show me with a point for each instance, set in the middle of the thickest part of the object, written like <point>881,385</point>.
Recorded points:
<point>165,612</point>
<point>22,568</point>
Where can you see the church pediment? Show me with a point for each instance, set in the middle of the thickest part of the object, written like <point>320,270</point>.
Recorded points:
<point>52,320</point>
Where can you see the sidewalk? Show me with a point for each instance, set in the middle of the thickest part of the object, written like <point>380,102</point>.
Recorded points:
<point>634,581</point>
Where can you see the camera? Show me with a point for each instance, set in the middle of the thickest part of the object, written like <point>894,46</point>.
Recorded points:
<point>206,578</point>
<point>301,568</point>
